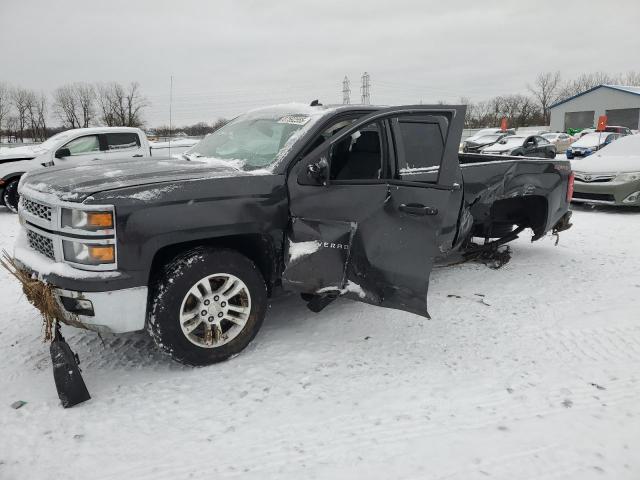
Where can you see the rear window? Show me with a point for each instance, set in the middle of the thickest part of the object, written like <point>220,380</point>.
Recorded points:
<point>122,141</point>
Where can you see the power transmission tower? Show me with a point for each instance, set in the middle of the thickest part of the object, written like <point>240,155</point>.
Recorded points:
<point>346,91</point>
<point>365,99</point>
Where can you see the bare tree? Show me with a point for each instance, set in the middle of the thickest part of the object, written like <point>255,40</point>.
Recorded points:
<point>120,106</point>
<point>631,78</point>
<point>586,81</point>
<point>86,97</point>
<point>36,115</point>
<point>65,106</point>
<point>5,103</point>
<point>546,89</point>
<point>20,98</point>
<point>74,104</point>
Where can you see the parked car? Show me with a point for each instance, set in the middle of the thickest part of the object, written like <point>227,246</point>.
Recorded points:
<point>489,131</point>
<point>71,147</point>
<point>474,146</point>
<point>560,140</point>
<point>307,199</point>
<point>590,143</point>
<point>610,176</point>
<point>618,129</point>
<point>523,146</point>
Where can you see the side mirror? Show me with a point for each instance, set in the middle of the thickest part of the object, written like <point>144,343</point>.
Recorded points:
<point>319,171</point>
<point>63,152</point>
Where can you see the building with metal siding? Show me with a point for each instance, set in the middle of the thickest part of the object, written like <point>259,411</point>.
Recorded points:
<point>620,103</point>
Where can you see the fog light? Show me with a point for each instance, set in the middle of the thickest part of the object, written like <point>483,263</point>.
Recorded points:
<point>633,198</point>
<point>77,306</point>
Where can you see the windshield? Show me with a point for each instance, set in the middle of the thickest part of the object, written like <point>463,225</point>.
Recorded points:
<point>591,140</point>
<point>628,146</point>
<point>511,141</point>
<point>488,138</point>
<point>53,141</point>
<point>251,141</point>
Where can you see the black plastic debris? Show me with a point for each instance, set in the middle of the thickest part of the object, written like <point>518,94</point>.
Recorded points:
<point>18,404</point>
<point>66,372</point>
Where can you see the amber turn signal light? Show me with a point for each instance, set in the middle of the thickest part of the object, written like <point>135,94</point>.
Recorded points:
<point>102,253</point>
<point>100,219</point>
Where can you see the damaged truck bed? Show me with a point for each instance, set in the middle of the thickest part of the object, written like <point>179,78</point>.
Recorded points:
<point>352,201</point>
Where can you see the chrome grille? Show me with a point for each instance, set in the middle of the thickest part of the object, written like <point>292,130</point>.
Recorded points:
<point>41,244</point>
<point>37,209</point>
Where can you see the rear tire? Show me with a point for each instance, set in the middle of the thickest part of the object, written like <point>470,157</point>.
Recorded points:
<point>10,195</point>
<point>187,286</point>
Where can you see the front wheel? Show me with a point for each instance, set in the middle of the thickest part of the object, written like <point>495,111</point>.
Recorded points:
<point>10,195</point>
<point>206,305</point>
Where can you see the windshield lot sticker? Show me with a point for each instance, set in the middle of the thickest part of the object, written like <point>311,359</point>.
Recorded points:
<point>294,119</point>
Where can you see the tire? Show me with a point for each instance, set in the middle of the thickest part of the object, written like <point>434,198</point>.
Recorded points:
<point>551,155</point>
<point>206,339</point>
<point>10,195</point>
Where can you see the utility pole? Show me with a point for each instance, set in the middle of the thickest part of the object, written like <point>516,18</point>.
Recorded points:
<point>346,91</point>
<point>365,99</point>
<point>170,111</point>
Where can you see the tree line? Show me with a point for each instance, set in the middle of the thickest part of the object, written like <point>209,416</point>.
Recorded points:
<point>24,113</point>
<point>532,108</point>
<point>198,129</point>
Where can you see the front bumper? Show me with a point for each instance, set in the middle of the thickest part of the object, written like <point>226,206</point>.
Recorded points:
<point>117,311</point>
<point>606,193</point>
<point>110,310</point>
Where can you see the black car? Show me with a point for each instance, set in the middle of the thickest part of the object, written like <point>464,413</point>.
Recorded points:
<point>353,201</point>
<point>475,145</point>
<point>522,146</point>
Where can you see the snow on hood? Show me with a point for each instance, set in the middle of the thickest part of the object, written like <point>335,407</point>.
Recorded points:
<point>591,140</point>
<point>621,156</point>
<point>77,183</point>
<point>18,152</point>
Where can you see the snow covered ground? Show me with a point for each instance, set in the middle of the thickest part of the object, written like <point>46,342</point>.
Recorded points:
<point>527,372</point>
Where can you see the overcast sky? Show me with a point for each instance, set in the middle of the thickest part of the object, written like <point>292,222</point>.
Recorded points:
<point>229,56</point>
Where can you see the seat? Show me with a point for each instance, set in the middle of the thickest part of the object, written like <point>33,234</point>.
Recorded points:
<point>363,161</point>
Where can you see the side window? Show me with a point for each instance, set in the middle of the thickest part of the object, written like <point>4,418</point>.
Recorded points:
<point>542,141</point>
<point>423,145</point>
<point>122,141</point>
<point>82,145</point>
<point>358,156</point>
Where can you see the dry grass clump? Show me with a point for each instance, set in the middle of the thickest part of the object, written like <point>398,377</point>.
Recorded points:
<point>39,294</point>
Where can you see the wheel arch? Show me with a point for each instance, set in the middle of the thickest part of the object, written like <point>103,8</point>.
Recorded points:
<point>258,247</point>
<point>529,211</point>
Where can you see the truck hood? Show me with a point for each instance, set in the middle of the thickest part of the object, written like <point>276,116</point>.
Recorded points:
<point>17,153</point>
<point>75,184</point>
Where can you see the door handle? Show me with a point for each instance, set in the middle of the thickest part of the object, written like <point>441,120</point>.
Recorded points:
<point>137,155</point>
<point>417,209</point>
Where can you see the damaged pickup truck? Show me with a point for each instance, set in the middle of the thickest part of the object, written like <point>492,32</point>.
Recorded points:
<point>353,201</point>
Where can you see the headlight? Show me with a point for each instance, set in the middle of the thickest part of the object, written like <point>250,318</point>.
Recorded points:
<point>628,177</point>
<point>87,220</point>
<point>88,254</point>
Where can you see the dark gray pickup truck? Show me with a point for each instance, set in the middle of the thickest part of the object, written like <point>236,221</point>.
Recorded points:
<point>352,201</point>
